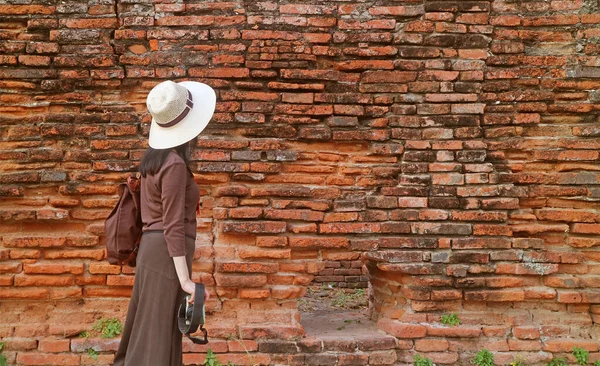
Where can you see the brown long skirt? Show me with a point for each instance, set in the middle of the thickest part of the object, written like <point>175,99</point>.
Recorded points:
<point>151,335</point>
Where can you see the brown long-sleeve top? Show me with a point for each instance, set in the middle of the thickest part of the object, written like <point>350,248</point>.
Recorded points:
<point>169,200</point>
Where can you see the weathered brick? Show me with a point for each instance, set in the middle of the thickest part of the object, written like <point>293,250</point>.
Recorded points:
<point>26,9</point>
<point>453,141</point>
<point>388,76</point>
<point>47,359</point>
<point>230,280</point>
<point>402,330</point>
<point>397,10</point>
<point>264,253</point>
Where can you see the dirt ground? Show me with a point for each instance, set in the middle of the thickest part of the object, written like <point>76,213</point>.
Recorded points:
<point>327,311</point>
<point>324,297</point>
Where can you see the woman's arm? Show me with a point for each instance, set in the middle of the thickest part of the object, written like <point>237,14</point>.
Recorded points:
<point>182,271</point>
<point>184,278</point>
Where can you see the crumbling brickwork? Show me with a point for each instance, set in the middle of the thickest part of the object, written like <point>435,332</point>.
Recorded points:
<point>451,146</point>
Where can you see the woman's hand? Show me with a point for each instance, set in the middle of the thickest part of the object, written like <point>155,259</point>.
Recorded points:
<point>190,287</point>
<point>183,274</point>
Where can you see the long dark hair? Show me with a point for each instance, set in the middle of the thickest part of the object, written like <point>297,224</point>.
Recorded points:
<point>154,158</point>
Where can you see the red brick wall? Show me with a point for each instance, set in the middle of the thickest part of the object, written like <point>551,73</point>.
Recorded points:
<point>457,141</point>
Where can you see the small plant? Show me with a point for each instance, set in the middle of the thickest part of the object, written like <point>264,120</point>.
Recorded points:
<point>484,358</point>
<point>558,362</point>
<point>302,302</point>
<point>92,353</point>
<point>240,339</point>
<point>84,334</point>
<point>517,362</point>
<point>108,328</point>
<point>451,320</point>
<point>2,357</point>
<point>211,360</point>
<point>327,287</point>
<point>597,363</point>
<point>347,321</point>
<point>422,361</point>
<point>581,355</point>
<point>343,299</point>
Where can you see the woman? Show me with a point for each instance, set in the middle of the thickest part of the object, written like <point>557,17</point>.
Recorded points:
<point>169,199</point>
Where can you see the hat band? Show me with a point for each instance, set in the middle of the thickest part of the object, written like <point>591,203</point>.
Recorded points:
<point>189,103</point>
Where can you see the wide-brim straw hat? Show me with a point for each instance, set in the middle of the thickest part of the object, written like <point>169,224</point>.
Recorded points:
<point>180,112</point>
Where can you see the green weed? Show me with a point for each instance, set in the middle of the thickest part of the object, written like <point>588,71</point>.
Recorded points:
<point>517,362</point>
<point>342,298</point>
<point>92,353</point>
<point>108,328</point>
<point>581,355</point>
<point>484,358</point>
<point>347,322</point>
<point>451,319</point>
<point>212,360</point>
<point>422,361</point>
<point>558,362</point>
<point>2,357</point>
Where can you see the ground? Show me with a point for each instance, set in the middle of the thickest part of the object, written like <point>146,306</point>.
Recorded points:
<point>330,311</point>
<point>326,297</point>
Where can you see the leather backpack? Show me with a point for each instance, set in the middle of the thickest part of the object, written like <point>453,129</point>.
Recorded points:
<point>123,227</point>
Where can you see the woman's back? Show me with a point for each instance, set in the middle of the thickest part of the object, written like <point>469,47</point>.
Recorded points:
<point>169,200</point>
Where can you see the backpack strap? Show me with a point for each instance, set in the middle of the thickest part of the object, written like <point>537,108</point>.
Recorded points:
<point>130,260</point>
<point>134,182</point>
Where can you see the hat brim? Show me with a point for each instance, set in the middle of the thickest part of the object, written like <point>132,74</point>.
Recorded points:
<point>192,125</point>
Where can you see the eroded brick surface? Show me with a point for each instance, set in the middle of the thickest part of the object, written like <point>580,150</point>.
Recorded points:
<point>457,139</point>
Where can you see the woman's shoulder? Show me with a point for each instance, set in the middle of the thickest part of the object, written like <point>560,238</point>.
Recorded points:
<point>173,159</point>
<point>173,162</point>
